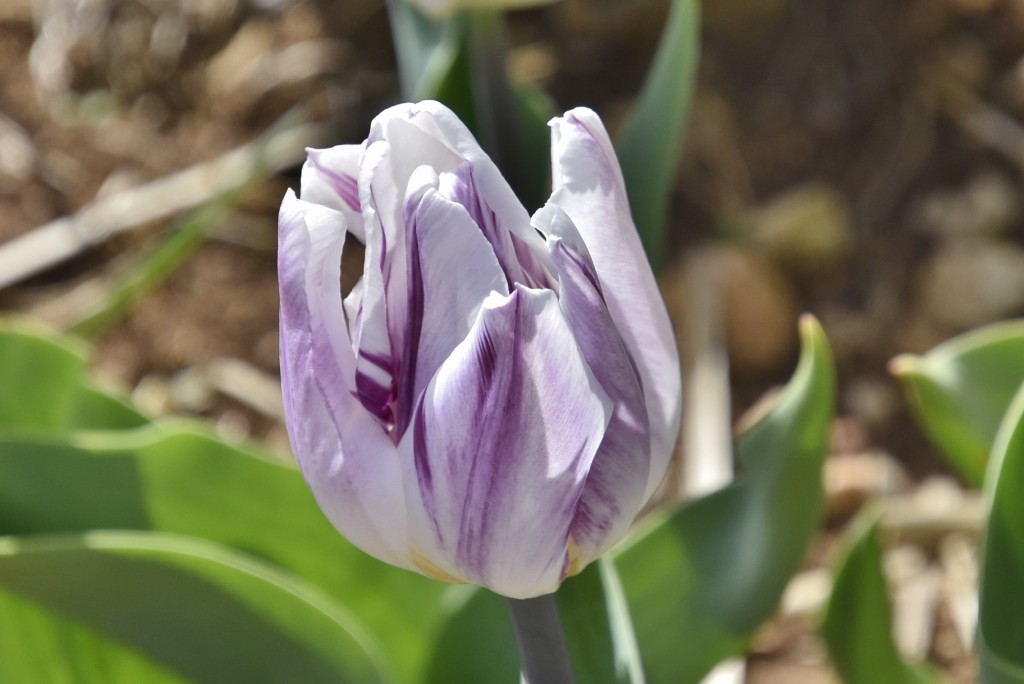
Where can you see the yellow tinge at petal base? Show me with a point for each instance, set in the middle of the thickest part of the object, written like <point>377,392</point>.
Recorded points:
<point>429,569</point>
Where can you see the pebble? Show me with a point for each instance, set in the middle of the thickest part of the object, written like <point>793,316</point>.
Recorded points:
<point>853,479</point>
<point>967,284</point>
<point>807,229</point>
<point>987,205</point>
<point>759,311</point>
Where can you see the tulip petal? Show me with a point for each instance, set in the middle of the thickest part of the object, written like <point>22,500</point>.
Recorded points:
<point>589,188</point>
<point>616,484</point>
<point>452,269</point>
<point>499,451</point>
<point>491,186</point>
<point>375,362</point>
<point>347,459</point>
<point>331,177</point>
<point>518,260</point>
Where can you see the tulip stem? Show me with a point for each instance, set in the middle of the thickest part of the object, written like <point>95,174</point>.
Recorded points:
<point>543,656</point>
<point>494,101</point>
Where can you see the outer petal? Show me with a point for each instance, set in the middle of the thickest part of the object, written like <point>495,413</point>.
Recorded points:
<point>452,270</point>
<point>589,187</point>
<point>347,459</point>
<point>331,177</point>
<point>616,484</point>
<point>500,449</point>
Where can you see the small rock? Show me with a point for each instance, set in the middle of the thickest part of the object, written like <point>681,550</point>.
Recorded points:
<point>968,284</point>
<point>808,229</point>
<point>190,390</point>
<point>152,395</point>
<point>872,400</point>
<point>915,596</point>
<point>19,152</point>
<point>987,206</point>
<point>759,312</point>
<point>806,593</point>
<point>852,479</point>
<point>958,555</point>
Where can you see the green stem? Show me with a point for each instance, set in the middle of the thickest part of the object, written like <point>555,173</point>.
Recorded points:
<point>493,99</point>
<point>543,656</point>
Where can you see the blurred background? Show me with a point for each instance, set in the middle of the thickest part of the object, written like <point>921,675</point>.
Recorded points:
<point>858,159</point>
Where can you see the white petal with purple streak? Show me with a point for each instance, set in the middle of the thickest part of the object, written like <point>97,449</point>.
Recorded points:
<point>616,484</point>
<point>589,188</point>
<point>498,455</point>
<point>452,270</point>
<point>331,177</point>
<point>346,458</point>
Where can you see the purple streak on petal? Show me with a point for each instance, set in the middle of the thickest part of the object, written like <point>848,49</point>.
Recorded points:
<point>504,438</point>
<point>452,270</point>
<point>614,493</point>
<point>517,260</point>
<point>414,324</point>
<point>375,364</point>
<point>344,184</point>
<point>588,186</point>
<point>345,457</point>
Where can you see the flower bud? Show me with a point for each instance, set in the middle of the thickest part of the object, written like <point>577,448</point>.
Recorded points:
<point>499,395</point>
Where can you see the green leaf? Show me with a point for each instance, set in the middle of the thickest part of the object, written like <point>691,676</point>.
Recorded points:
<point>190,607</point>
<point>595,616</point>
<point>45,390</point>
<point>1001,601</point>
<point>652,136</point>
<point>173,478</point>
<point>959,391</point>
<point>858,624</point>
<point>424,48</point>
<point>699,581</point>
<point>477,643</point>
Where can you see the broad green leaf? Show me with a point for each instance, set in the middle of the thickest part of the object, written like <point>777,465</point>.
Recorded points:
<point>652,136</point>
<point>477,643</point>
<point>699,581</point>
<point>41,646</point>
<point>959,391</point>
<point>1001,601</point>
<point>858,624</point>
<point>39,381</point>
<point>173,478</point>
<point>601,641</point>
<point>190,607</point>
<point>43,388</point>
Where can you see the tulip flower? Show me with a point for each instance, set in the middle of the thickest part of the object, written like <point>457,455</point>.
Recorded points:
<point>498,397</point>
